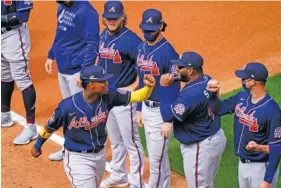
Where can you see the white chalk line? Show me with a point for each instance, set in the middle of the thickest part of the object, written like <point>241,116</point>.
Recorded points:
<point>55,138</point>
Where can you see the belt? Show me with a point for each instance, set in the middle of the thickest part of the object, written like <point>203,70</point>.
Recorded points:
<point>8,28</point>
<point>252,161</point>
<point>152,104</point>
<point>95,150</point>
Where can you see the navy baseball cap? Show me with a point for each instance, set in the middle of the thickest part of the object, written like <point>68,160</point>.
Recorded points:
<point>253,70</point>
<point>113,10</point>
<point>94,73</point>
<point>151,20</point>
<point>189,59</point>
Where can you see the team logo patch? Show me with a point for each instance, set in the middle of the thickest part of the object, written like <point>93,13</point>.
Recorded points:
<point>179,108</point>
<point>277,132</point>
<point>148,65</point>
<point>246,119</point>
<point>122,91</point>
<point>27,2</point>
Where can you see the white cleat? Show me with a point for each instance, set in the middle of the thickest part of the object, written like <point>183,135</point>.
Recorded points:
<point>28,134</point>
<point>56,156</point>
<point>6,120</point>
<point>111,182</point>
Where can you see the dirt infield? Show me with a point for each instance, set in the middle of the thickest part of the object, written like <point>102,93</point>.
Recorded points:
<point>226,34</point>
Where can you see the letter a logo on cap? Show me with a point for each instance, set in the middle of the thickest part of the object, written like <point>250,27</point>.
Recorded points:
<point>149,20</point>
<point>112,9</point>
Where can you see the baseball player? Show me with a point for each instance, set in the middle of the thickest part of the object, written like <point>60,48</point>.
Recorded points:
<point>74,46</point>
<point>195,126</point>
<point>274,150</point>
<point>83,117</point>
<point>154,55</point>
<point>256,118</point>
<point>117,55</point>
<point>15,41</point>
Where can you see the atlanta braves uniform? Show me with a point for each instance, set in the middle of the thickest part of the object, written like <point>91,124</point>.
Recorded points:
<point>195,126</point>
<point>257,122</point>
<point>274,155</point>
<point>155,60</point>
<point>15,41</point>
<point>84,132</point>
<point>117,55</point>
<point>75,43</point>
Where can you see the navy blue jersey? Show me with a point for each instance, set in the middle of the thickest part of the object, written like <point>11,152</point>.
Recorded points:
<point>193,120</point>
<point>156,60</point>
<point>256,122</point>
<point>9,6</point>
<point>117,55</point>
<point>83,123</point>
<point>76,42</point>
<point>274,155</point>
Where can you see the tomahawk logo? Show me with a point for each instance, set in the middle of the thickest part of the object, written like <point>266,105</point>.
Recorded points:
<point>149,20</point>
<point>112,9</point>
<point>246,119</point>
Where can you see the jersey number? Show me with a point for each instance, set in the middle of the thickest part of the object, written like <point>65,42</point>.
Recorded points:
<point>7,2</point>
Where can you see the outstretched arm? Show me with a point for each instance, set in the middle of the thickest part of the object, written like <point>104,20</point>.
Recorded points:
<point>145,92</point>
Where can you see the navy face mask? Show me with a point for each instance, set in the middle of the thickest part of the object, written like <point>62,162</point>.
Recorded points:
<point>150,35</point>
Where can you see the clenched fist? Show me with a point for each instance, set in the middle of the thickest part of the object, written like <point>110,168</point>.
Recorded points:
<point>213,86</point>
<point>35,153</point>
<point>253,146</point>
<point>166,79</point>
<point>149,80</point>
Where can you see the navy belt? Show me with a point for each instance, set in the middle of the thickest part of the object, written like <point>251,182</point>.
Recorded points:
<point>252,161</point>
<point>95,150</point>
<point>152,104</point>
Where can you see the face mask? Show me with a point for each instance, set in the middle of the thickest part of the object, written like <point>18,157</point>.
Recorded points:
<point>149,37</point>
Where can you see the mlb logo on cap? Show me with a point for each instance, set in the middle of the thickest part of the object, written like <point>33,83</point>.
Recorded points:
<point>113,10</point>
<point>151,20</point>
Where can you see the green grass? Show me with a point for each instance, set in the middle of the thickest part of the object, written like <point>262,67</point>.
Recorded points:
<point>227,173</point>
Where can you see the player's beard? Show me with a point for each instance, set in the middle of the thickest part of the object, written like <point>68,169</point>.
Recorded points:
<point>184,77</point>
<point>114,29</point>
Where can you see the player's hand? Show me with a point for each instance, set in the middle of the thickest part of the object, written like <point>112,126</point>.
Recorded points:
<point>35,153</point>
<point>166,79</point>
<point>166,129</point>
<point>265,184</point>
<point>49,66</point>
<point>213,86</point>
<point>149,80</point>
<point>139,119</point>
<point>253,146</point>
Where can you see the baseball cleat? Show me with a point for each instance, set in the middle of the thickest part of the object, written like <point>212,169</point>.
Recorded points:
<point>111,182</point>
<point>6,120</point>
<point>56,156</point>
<point>28,134</point>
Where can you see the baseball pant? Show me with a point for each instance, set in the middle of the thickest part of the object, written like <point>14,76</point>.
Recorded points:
<point>15,57</point>
<point>124,137</point>
<point>201,160</point>
<point>251,175</point>
<point>157,147</point>
<point>84,170</point>
<point>68,85</point>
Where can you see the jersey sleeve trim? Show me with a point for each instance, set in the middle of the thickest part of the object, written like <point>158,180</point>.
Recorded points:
<point>22,9</point>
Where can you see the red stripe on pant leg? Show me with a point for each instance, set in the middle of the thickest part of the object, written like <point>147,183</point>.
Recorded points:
<point>160,162</point>
<point>23,52</point>
<point>133,138</point>
<point>196,166</point>
<point>68,159</point>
